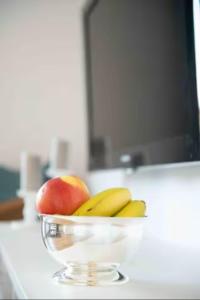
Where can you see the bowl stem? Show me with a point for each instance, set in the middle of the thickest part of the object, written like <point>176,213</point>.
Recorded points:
<point>90,274</point>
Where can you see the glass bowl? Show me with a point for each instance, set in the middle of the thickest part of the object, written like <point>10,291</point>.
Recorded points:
<point>91,249</point>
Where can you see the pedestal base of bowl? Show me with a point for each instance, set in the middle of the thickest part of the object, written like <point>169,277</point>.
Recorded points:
<point>91,274</point>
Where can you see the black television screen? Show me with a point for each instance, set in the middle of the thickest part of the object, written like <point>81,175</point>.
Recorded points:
<point>141,83</point>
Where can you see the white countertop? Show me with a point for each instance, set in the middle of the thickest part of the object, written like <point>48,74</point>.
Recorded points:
<point>159,271</point>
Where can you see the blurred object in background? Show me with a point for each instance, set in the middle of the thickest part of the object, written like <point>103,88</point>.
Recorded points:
<point>29,213</point>
<point>10,206</point>
<point>9,183</point>
<point>30,181</point>
<point>101,152</point>
<point>30,172</point>
<point>12,209</point>
<point>58,158</point>
<point>59,154</point>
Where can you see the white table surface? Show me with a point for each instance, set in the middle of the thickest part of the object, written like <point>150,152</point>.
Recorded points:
<point>159,271</point>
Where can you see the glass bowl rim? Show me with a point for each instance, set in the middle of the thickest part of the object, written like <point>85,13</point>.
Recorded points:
<point>96,219</point>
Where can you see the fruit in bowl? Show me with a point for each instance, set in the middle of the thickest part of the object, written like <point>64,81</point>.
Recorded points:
<point>90,235</point>
<point>62,195</point>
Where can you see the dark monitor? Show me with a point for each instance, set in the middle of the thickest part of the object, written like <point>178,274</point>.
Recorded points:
<point>141,83</point>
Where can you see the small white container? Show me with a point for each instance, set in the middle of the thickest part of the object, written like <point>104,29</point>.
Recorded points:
<point>59,152</point>
<point>30,172</point>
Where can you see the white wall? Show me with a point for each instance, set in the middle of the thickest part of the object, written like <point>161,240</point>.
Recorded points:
<point>42,90</point>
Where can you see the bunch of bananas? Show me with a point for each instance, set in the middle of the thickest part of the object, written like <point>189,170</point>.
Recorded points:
<point>114,202</point>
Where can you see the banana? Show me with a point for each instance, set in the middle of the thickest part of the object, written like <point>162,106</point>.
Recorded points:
<point>88,205</point>
<point>105,204</point>
<point>134,208</point>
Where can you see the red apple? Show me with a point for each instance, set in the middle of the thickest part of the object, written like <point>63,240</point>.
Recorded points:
<point>61,195</point>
